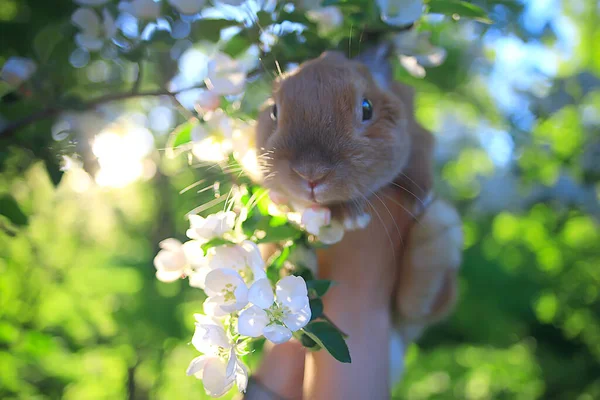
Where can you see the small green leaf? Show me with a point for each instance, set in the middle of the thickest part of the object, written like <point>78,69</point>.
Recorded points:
<point>264,18</point>
<point>210,29</point>
<point>462,8</point>
<point>236,45</point>
<point>328,337</point>
<point>181,135</point>
<point>316,308</point>
<point>280,233</point>
<point>214,243</point>
<point>46,40</point>
<point>320,286</point>
<point>280,258</point>
<point>308,342</point>
<point>11,210</point>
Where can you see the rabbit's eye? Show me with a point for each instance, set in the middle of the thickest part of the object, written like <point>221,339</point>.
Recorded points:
<point>367,110</point>
<point>274,112</point>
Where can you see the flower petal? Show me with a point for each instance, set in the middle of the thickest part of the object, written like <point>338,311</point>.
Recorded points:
<point>188,7</point>
<point>332,233</point>
<point>209,337</point>
<point>230,370</point>
<point>252,321</point>
<point>212,306</point>
<point>277,334</point>
<point>292,292</point>
<point>215,380</point>
<point>168,276</point>
<point>299,319</point>
<point>196,367</point>
<point>16,70</point>
<point>314,218</point>
<point>400,12</point>
<point>221,279</point>
<point>261,293</point>
<point>87,20</point>
<point>241,376</point>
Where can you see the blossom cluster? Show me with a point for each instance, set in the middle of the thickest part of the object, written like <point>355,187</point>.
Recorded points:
<point>241,302</point>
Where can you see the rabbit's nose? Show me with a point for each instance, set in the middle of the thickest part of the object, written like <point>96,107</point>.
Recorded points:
<point>313,176</point>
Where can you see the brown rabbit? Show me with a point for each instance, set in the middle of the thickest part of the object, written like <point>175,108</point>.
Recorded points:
<point>341,133</point>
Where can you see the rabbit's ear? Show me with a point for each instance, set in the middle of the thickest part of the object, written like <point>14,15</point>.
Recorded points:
<point>377,59</point>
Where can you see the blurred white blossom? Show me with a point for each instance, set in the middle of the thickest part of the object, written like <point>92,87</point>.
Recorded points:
<point>219,367</point>
<point>416,52</point>
<point>400,12</point>
<point>17,70</point>
<point>212,139</point>
<point>214,225</point>
<point>314,218</point>
<point>94,32</point>
<point>276,317</point>
<point>207,100</point>
<point>188,7</point>
<point>227,292</point>
<point>175,259</point>
<point>328,19</point>
<point>225,75</point>
<point>142,9</point>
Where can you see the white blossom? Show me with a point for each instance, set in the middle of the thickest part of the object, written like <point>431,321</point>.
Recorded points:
<point>232,2</point>
<point>214,225</point>
<point>227,292</point>
<point>175,259</point>
<point>276,317</point>
<point>327,18</point>
<point>331,233</point>
<point>94,32</point>
<point>219,367</point>
<point>208,100</point>
<point>142,9</point>
<point>314,218</point>
<point>212,141</point>
<point>225,75</point>
<point>17,70</point>
<point>244,258</point>
<point>188,7</point>
<point>400,12</point>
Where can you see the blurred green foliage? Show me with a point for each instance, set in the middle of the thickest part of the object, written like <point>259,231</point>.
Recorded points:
<point>82,316</point>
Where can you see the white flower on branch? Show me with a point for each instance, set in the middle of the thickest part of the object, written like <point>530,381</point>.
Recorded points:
<point>94,32</point>
<point>227,292</point>
<point>220,367</point>
<point>400,12</point>
<point>141,9</point>
<point>207,100</point>
<point>213,226</point>
<point>244,258</point>
<point>175,259</point>
<point>17,70</point>
<point>276,316</point>
<point>317,221</point>
<point>212,140</point>
<point>188,7</point>
<point>225,75</point>
<point>328,19</point>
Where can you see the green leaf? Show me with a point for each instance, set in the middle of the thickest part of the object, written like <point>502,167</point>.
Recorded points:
<point>210,29</point>
<point>46,40</point>
<point>280,258</point>
<point>11,210</point>
<point>264,18</point>
<point>236,45</point>
<point>181,135</point>
<point>280,233</point>
<point>320,286</point>
<point>214,243</point>
<point>328,337</point>
<point>316,308</point>
<point>462,8</point>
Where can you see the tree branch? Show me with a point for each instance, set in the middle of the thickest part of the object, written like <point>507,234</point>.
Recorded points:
<point>52,111</point>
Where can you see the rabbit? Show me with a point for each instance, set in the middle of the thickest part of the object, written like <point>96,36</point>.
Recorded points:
<point>338,132</point>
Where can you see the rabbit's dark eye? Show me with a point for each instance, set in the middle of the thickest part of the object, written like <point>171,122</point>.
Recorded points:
<point>367,110</point>
<point>274,112</point>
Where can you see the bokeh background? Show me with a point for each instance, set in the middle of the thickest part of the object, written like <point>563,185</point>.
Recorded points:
<point>516,112</point>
